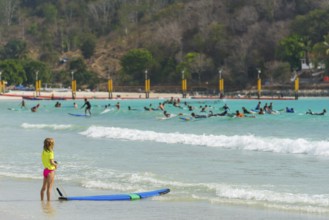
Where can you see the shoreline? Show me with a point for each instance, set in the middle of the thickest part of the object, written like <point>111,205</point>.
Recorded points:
<point>23,195</point>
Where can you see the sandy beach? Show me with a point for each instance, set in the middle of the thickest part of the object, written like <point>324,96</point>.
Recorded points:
<point>15,94</point>
<point>67,95</point>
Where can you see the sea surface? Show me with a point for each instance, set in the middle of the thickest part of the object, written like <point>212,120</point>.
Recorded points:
<point>264,167</point>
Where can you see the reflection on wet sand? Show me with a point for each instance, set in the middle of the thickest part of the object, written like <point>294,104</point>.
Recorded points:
<point>48,208</point>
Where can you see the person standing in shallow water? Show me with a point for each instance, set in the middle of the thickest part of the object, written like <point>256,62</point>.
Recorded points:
<point>50,166</point>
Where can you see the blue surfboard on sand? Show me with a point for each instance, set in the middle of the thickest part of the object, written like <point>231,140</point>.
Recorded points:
<point>118,197</point>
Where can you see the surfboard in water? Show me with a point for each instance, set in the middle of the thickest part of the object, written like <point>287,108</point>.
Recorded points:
<point>117,197</point>
<point>166,118</point>
<point>105,111</point>
<point>186,118</point>
<point>79,115</point>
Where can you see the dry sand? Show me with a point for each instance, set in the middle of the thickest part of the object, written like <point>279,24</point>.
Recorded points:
<point>90,95</point>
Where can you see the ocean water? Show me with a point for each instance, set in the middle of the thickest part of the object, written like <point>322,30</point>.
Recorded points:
<point>268,167</point>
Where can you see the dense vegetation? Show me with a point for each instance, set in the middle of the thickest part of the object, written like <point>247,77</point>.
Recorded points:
<point>97,38</point>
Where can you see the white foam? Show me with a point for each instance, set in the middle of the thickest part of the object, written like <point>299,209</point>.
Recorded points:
<point>250,194</point>
<point>243,142</point>
<point>223,193</point>
<point>20,175</point>
<point>51,126</point>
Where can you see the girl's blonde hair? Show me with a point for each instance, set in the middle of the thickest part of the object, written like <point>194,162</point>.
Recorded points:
<point>48,144</point>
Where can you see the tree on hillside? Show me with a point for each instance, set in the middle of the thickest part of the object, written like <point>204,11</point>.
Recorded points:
<point>312,25</point>
<point>291,49</point>
<point>82,75</point>
<point>320,53</point>
<point>135,62</point>
<point>33,66</point>
<point>278,72</point>
<point>49,12</point>
<point>12,72</point>
<point>198,63</point>
<point>102,14</point>
<point>15,49</point>
<point>8,9</point>
<point>88,46</point>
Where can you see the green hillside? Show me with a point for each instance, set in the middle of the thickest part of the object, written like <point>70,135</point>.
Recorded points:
<point>95,39</point>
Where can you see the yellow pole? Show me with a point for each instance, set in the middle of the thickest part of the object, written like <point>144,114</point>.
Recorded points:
<point>110,85</point>
<point>36,87</point>
<point>1,87</point>
<point>296,84</point>
<point>221,85</point>
<point>296,87</point>
<point>184,85</point>
<point>39,86</point>
<point>259,85</point>
<point>74,88</point>
<point>148,85</point>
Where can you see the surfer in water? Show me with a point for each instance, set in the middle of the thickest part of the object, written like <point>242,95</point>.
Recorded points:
<point>23,104</point>
<point>118,105</point>
<point>258,106</point>
<point>166,114</point>
<point>50,165</point>
<point>131,109</point>
<point>246,111</point>
<point>198,116</point>
<point>35,108</point>
<point>320,113</point>
<point>88,107</point>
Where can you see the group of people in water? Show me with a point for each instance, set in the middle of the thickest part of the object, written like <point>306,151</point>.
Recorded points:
<point>205,111</point>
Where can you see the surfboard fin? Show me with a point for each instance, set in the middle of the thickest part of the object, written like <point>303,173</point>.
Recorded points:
<point>59,192</point>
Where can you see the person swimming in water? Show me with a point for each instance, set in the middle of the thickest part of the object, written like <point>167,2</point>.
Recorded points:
<point>320,113</point>
<point>211,114</point>
<point>23,104</point>
<point>166,114</point>
<point>35,108</point>
<point>198,116</point>
<point>290,110</point>
<point>246,111</point>
<point>258,106</point>
<point>117,105</point>
<point>131,109</point>
<point>161,106</point>
<point>239,114</point>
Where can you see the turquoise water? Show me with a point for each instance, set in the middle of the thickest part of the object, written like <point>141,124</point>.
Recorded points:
<point>276,162</point>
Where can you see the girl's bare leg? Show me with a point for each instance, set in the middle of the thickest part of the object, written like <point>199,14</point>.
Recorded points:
<point>50,182</point>
<point>43,188</point>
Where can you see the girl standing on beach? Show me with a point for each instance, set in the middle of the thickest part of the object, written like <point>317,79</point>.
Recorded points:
<point>49,167</point>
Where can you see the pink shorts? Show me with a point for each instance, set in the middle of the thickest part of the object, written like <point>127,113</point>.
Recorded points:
<point>46,172</point>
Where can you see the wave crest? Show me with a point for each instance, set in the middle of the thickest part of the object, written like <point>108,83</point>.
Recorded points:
<point>243,142</point>
<point>51,126</point>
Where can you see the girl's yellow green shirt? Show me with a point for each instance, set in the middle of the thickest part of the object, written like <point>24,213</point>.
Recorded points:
<point>46,157</point>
